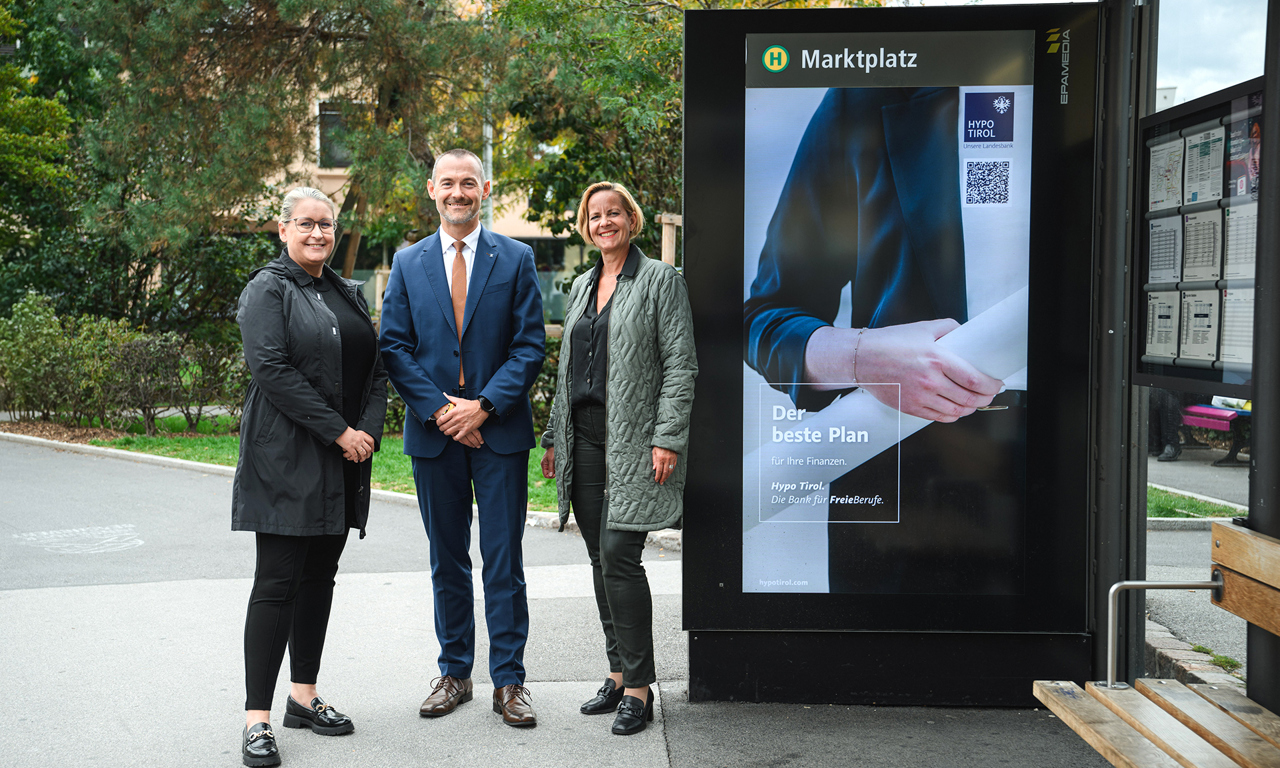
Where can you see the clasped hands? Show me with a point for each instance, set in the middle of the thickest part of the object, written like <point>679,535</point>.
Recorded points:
<point>461,420</point>
<point>935,383</point>
<point>664,464</point>
<point>356,445</point>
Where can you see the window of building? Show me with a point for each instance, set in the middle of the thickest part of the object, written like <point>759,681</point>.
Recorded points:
<point>333,153</point>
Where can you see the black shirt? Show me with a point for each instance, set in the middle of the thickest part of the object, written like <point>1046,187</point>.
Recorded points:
<point>359,347</point>
<point>589,338</point>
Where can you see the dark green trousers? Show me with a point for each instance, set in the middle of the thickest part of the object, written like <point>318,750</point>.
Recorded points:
<point>622,588</point>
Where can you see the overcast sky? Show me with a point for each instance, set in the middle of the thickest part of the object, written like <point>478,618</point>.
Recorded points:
<point>1204,45</point>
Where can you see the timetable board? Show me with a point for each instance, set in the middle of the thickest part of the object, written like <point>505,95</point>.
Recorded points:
<point>1196,254</point>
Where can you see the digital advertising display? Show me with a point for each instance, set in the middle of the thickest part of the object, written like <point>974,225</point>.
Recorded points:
<point>886,257</point>
<point>888,222</point>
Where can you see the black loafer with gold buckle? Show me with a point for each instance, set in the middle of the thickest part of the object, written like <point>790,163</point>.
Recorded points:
<point>258,745</point>
<point>319,717</point>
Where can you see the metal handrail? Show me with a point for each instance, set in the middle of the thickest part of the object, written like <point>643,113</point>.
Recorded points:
<point>1114,609</point>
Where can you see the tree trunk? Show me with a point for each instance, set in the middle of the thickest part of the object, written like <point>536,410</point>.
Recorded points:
<point>353,240</point>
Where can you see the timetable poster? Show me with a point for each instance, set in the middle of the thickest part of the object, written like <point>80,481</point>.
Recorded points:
<point>1199,325</point>
<point>1202,245</point>
<point>1237,326</point>
<point>841,448</point>
<point>1165,250</point>
<point>1203,171</point>
<point>1245,148</point>
<point>1162,323</point>
<point>1164,189</point>
<point>1242,242</point>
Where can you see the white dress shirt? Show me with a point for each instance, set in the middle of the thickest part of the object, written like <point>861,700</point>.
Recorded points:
<point>469,244</point>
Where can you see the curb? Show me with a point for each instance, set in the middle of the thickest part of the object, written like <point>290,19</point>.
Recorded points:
<point>1185,523</point>
<point>1167,657</point>
<point>667,538</point>
<point>116,453</point>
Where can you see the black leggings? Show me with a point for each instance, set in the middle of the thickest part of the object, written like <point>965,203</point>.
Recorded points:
<point>289,606</point>
<point>622,588</point>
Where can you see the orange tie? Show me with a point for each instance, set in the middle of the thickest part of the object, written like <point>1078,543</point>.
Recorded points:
<point>459,299</point>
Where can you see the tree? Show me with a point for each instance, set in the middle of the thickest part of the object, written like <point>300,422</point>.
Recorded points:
<point>33,145</point>
<point>192,118</point>
<point>598,96</point>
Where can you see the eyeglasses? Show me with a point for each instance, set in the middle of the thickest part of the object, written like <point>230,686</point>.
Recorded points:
<point>306,225</point>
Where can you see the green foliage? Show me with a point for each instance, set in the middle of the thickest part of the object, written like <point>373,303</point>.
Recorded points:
<point>544,387</point>
<point>1226,662</point>
<point>597,95</point>
<point>33,359</point>
<point>1164,504</point>
<point>211,374</point>
<point>150,366</point>
<point>397,410</point>
<point>96,370</point>
<point>392,470</point>
<point>33,144</point>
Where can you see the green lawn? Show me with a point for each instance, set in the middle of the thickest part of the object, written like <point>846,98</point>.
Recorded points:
<point>392,470</point>
<point>1164,504</point>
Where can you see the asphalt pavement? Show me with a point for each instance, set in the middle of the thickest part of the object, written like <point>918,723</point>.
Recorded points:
<point>1184,555</point>
<point>1194,471</point>
<point>123,594</point>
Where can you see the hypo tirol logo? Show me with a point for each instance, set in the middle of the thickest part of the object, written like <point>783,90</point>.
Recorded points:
<point>988,116</point>
<point>775,58</point>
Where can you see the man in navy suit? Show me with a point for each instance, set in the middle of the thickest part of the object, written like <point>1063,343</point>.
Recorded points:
<point>463,341</point>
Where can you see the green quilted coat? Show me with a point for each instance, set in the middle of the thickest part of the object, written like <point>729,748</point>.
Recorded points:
<point>648,394</point>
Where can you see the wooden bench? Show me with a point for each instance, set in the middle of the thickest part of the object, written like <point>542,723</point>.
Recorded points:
<point>1228,420</point>
<point>1166,723</point>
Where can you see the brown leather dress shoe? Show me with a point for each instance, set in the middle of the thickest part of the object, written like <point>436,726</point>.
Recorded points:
<point>446,694</point>
<point>514,703</point>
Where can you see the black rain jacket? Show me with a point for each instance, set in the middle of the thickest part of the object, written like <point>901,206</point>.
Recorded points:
<point>289,476</point>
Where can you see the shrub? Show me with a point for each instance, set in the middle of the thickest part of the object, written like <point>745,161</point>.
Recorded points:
<point>150,367</point>
<point>95,356</point>
<point>210,374</point>
<point>396,411</point>
<point>34,359</point>
<point>544,387</point>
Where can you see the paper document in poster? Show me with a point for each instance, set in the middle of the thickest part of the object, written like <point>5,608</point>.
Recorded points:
<point>787,479</point>
<point>1203,171</point>
<point>1242,241</point>
<point>1237,326</point>
<point>1162,323</point>
<point>1165,187</point>
<point>1164,243</point>
<point>1199,339</point>
<point>1202,245</point>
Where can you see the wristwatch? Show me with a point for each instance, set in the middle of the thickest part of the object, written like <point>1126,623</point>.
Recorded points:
<point>487,406</point>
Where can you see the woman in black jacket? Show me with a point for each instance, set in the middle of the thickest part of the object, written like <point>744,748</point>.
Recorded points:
<point>311,424</point>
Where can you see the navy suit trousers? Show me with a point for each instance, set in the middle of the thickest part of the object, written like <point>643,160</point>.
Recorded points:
<point>501,494</point>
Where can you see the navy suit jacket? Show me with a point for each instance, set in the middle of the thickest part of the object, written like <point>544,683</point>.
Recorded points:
<point>502,347</point>
<point>873,200</point>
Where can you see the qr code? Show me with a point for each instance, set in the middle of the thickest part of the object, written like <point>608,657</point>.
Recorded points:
<point>986,182</point>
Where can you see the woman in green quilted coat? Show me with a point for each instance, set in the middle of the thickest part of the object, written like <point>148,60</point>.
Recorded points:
<point>619,433</point>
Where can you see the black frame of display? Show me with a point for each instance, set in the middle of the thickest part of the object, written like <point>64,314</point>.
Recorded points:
<point>1203,381</point>
<point>1043,632</point>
